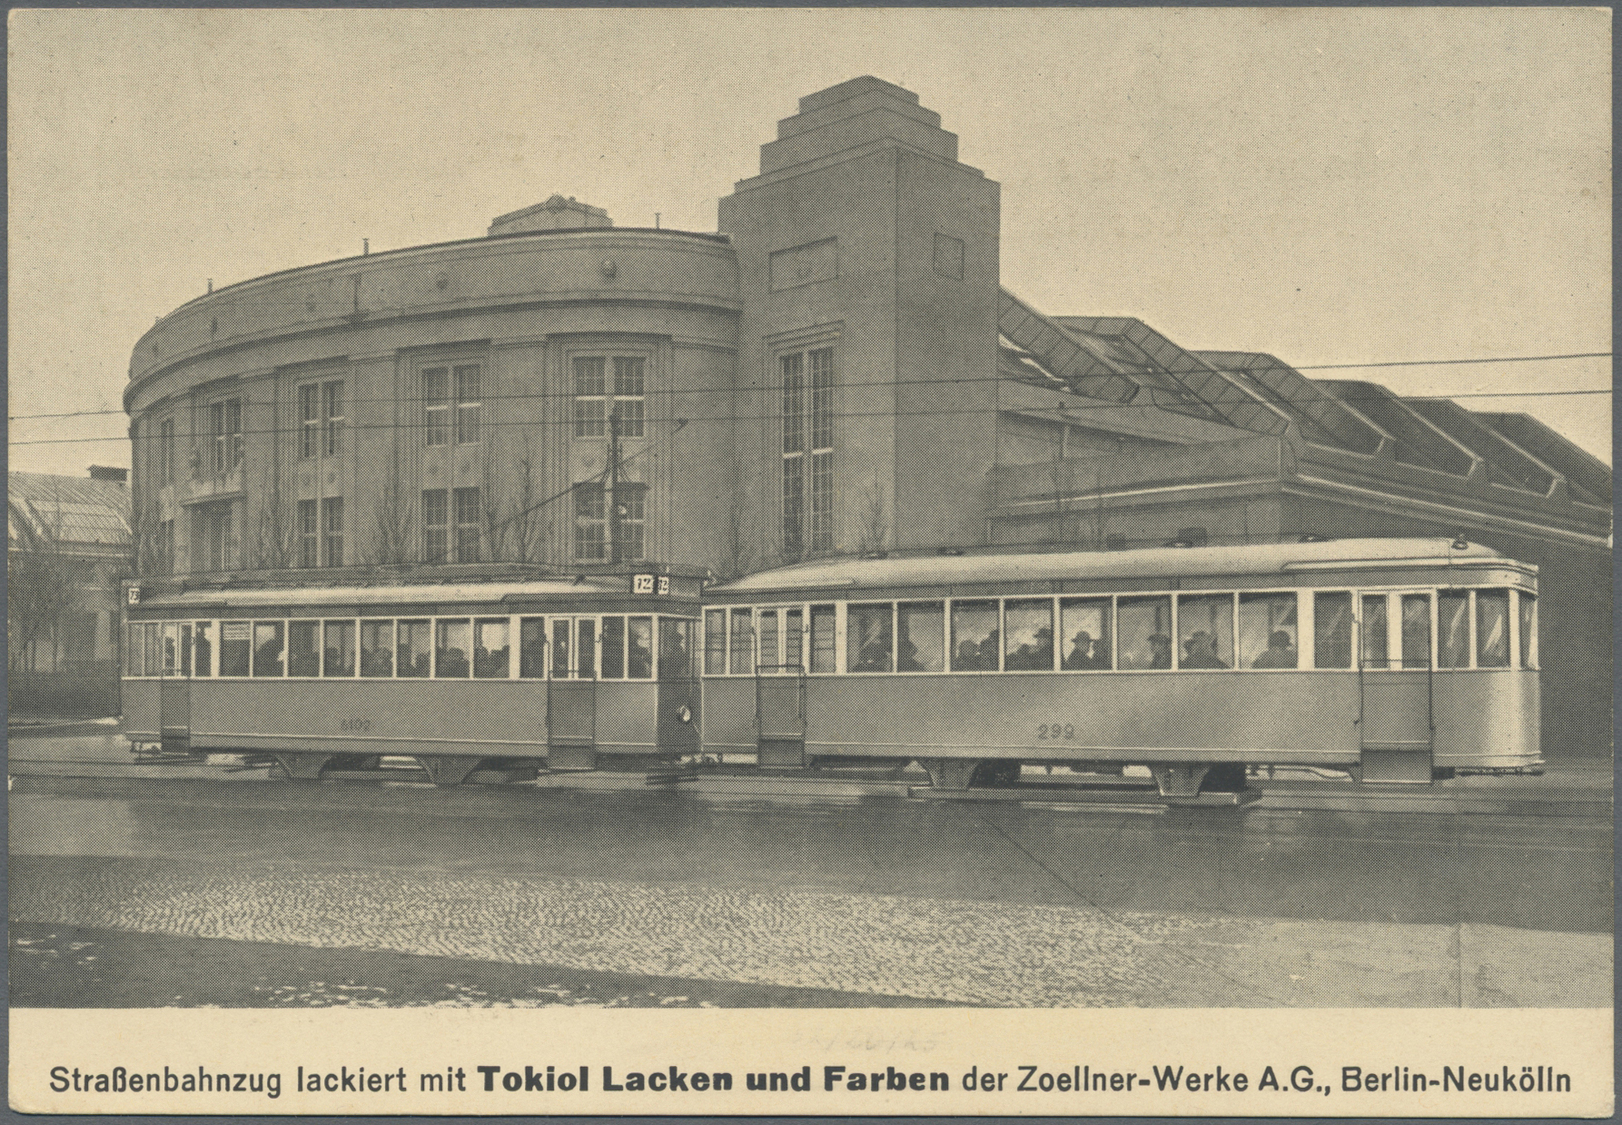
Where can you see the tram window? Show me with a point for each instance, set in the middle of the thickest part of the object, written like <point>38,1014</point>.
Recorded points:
<point>532,648</point>
<point>974,636</point>
<point>1028,635</point>
<point>377,648</point>
<point>490,655</point>
<point>639,648</point>
<point>1085,629</point>
<point>1416,630</point>
<point>868,640</point>
<point>412,643</point>
<point>303,651</point>
<point>769,657</point>
<point>1332,630</point>
<point>675,648</point>
<point>823,650</point>
<point>743,643</point>
<point>921,637</point>
<point>185,649</point>
<point>1375,632</point>
<point>338,651</point>
<point>453,638</point>
<point>1267,631</point>
<point>267,648</point>
<point>613,648</point>
<point>134,654</point>
<point>793,642</point>
<point>560,647</point>
<point>715,642</point>
<point>203,648</point>
<point>1143,626</point>
<point>1492,628</point>
<point>585,640</point>
<point>236,646</point>
<point>154,657</point>
<point>170,650</point>
<point>1205,628</point>
<point>1529,630</point>
<point>1452,630</point>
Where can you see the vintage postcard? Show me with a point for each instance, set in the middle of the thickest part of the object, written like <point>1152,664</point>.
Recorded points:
<point>839,562</point>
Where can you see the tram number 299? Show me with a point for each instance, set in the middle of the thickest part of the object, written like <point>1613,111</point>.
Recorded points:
<point>1048,732</point>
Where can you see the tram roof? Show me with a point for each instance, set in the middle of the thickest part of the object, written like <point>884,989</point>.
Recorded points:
<point>986,569</point>
<point>554,589</point>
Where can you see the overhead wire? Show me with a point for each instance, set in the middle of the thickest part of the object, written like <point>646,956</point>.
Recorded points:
<point>774,417</point>
<point>733,389</point>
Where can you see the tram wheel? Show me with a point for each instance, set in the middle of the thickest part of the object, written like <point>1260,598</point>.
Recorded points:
<point>1226,777</point>
<point>1000,774</point>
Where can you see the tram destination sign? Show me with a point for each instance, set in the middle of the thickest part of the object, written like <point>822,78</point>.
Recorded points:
<point>655,584</point>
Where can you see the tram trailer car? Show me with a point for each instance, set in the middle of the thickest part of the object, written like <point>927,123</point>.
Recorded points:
<point>486,680</point>
<point>1396,660</point>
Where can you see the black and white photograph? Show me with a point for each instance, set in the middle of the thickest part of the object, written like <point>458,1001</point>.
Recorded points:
<point>701,560</point>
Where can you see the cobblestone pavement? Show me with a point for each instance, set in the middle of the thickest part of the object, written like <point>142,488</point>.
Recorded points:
<point>55,966</point>
<point>956,951</point>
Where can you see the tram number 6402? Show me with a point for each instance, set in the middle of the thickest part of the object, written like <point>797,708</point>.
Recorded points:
<point>1050,731</point>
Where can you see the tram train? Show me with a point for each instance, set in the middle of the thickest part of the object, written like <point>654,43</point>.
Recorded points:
<point>1394,660</point>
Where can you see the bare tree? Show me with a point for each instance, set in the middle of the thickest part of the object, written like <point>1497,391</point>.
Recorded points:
<point>872,528</point>
<point>394,523</point>
<point>41,585</point>
<point>740,543</point>
<point>528,525</point>
<point>277,539</point>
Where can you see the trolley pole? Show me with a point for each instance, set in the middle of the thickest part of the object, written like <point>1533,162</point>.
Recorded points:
<point>614,553</point>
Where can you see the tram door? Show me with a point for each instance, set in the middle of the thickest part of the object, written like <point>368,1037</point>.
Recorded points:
<point>571,694</point>
<point>678,691</point>
<point>780,688</point>
<point>1395,673</point>
<point>174,687</point>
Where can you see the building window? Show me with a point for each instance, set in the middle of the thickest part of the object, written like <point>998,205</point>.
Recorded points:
<point>467,524</point>
<point>332,407</point>
<point>438,507</point>
<point>309,413</point>
<point>435,525</point>
<point>225,430</point>
<point>808,436</point>
<point>595,399</point>
<point>594,505</point>
<point>309,541</point>
<point>590,523</point>
<point>332,530</point>
<point>166,451</point>
<point>632,508</point>
<point>216,536</point>
<point>467,404</point>
<point>443,388</point>
<point>321,419</point>
<point>166,547</point>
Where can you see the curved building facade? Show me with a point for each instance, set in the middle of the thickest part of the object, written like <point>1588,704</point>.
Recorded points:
<point>419,406</point>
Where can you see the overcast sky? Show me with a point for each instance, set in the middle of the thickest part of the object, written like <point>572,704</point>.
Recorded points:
<point>1332,186</point>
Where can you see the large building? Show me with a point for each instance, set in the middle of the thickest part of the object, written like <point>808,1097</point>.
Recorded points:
<point>837,370</point>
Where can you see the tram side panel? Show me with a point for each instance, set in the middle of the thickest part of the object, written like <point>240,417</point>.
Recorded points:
<point>417,717</point>
<point>1486,719</point>
<point>1306,718</point>
<point>142,718</point>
